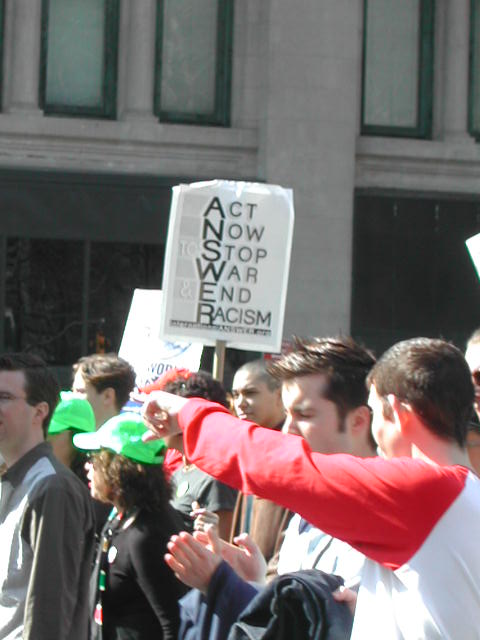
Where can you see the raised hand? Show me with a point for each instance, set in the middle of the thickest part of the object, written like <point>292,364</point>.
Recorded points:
<point>203,518</point>
<point>191,561</point>
<point>244,556</point>
<point>159,414</point>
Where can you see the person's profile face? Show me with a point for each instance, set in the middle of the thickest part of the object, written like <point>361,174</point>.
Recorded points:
<point>253,400</point>
<point>312,416</point>
<point>96,481</point>
<point>472,356</point>
<point>84,389</point>
<point>16,415</point>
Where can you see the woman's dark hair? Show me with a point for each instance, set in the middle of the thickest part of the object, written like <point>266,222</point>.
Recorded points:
<point>198,385</point>
<point>132,484</point>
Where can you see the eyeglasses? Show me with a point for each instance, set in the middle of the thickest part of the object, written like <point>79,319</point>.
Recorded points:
<point>6,397</point>
<point>476,377</point>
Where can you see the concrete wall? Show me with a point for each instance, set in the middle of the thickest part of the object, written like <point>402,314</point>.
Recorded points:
<point>295,121</point>
<point>307,142</point>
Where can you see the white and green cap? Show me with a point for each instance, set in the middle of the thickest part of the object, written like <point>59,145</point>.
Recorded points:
<point>122,434</point>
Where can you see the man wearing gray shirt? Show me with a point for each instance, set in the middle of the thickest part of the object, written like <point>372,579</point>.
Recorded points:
<point>46,519</point>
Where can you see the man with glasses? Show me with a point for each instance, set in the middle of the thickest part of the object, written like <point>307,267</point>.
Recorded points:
<point>46,519</point>
<point>472,356</point>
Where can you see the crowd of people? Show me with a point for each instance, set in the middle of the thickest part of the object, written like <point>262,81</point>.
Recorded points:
<point>327,495</point>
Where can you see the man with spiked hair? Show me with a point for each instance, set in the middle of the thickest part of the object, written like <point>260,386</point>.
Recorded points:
<point>421,578</point>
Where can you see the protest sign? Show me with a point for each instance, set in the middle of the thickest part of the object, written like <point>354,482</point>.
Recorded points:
<point>473,245</point>
<point>144,350</point>
<point>227,263</point>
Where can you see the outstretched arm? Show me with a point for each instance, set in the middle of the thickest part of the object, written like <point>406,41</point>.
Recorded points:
<point>393,504</point>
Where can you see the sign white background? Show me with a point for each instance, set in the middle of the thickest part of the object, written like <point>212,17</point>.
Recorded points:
<point>473,245</point>
<point>227,263</point>
<point>144,350</point>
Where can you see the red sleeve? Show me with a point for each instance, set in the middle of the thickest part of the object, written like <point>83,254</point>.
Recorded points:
<point>173,460</point>
<point>383,508</point>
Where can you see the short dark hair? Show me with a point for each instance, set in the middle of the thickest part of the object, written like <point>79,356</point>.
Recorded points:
<point>41,384</point>
<point>198,385</point>
<point>104,370</point>
<point>259,369</point>
<point>344,362</point>
<point>133,484</point>
<point>433,377</point>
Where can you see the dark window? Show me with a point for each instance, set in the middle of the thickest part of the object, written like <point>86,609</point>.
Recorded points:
<point>70,297</point>
<point>397,68</point>
<point>193,61</point>
<point>474,97</point>
<point>79,57</point>
<point>2,27</point>
<point>412,273</point>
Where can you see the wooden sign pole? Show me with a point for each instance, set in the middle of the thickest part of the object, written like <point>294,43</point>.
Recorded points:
<point>219,360</point>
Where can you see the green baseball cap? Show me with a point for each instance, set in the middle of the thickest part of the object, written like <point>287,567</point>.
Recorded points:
<point>72,412</point>
<point>123,435</point>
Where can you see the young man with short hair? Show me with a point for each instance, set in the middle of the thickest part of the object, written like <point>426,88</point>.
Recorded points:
<point>106,381</point>
<point>324,387</point>
<point>46,519</point>
<point>257,397</point>
<point>415,516</point>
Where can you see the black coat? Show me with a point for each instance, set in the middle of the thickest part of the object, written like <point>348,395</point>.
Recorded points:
<point>295,605</point>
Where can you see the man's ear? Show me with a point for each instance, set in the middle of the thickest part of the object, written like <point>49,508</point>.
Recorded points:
<point>109,396</point>
<point>359,420</point>
<point>41,411</point>
<point>402,412</point>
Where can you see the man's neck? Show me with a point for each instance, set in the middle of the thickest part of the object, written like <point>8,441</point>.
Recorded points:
<point>13,454</point>
<point>442,453</point>
<point>106,415</point>
<point>364,450</point>
<point>276,422</point>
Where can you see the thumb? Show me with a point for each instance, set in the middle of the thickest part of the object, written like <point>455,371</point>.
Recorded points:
<point>148,436</point>
<point>195,505</point>
<point>247,543</point>
<point>213,539</point>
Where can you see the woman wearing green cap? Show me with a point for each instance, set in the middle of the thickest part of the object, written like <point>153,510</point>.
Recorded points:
<point>134,594</point>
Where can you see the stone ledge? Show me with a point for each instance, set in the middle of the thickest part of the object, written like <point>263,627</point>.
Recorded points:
<point>446,166</point>
<point>126,146</point>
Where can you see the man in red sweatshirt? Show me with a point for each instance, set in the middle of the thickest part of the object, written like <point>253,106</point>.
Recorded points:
<point>415,515</point>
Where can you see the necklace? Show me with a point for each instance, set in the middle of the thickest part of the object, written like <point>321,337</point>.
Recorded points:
<point>117,521</point>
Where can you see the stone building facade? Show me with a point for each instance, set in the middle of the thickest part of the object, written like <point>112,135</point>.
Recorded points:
<point>368,109</point>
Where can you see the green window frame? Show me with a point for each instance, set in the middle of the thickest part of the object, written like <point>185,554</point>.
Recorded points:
<point>107,106</point>
<point>2,40</point>
<point>220,114</point>
<point>474,71</point>
<point>424,106</point>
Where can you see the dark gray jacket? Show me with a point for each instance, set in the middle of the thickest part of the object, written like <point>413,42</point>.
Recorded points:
<point>47,533</point>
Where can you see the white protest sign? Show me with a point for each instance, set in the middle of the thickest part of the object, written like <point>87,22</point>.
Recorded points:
<point>227,262</point>
<point>144,350</point>
<point>473,245</point>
